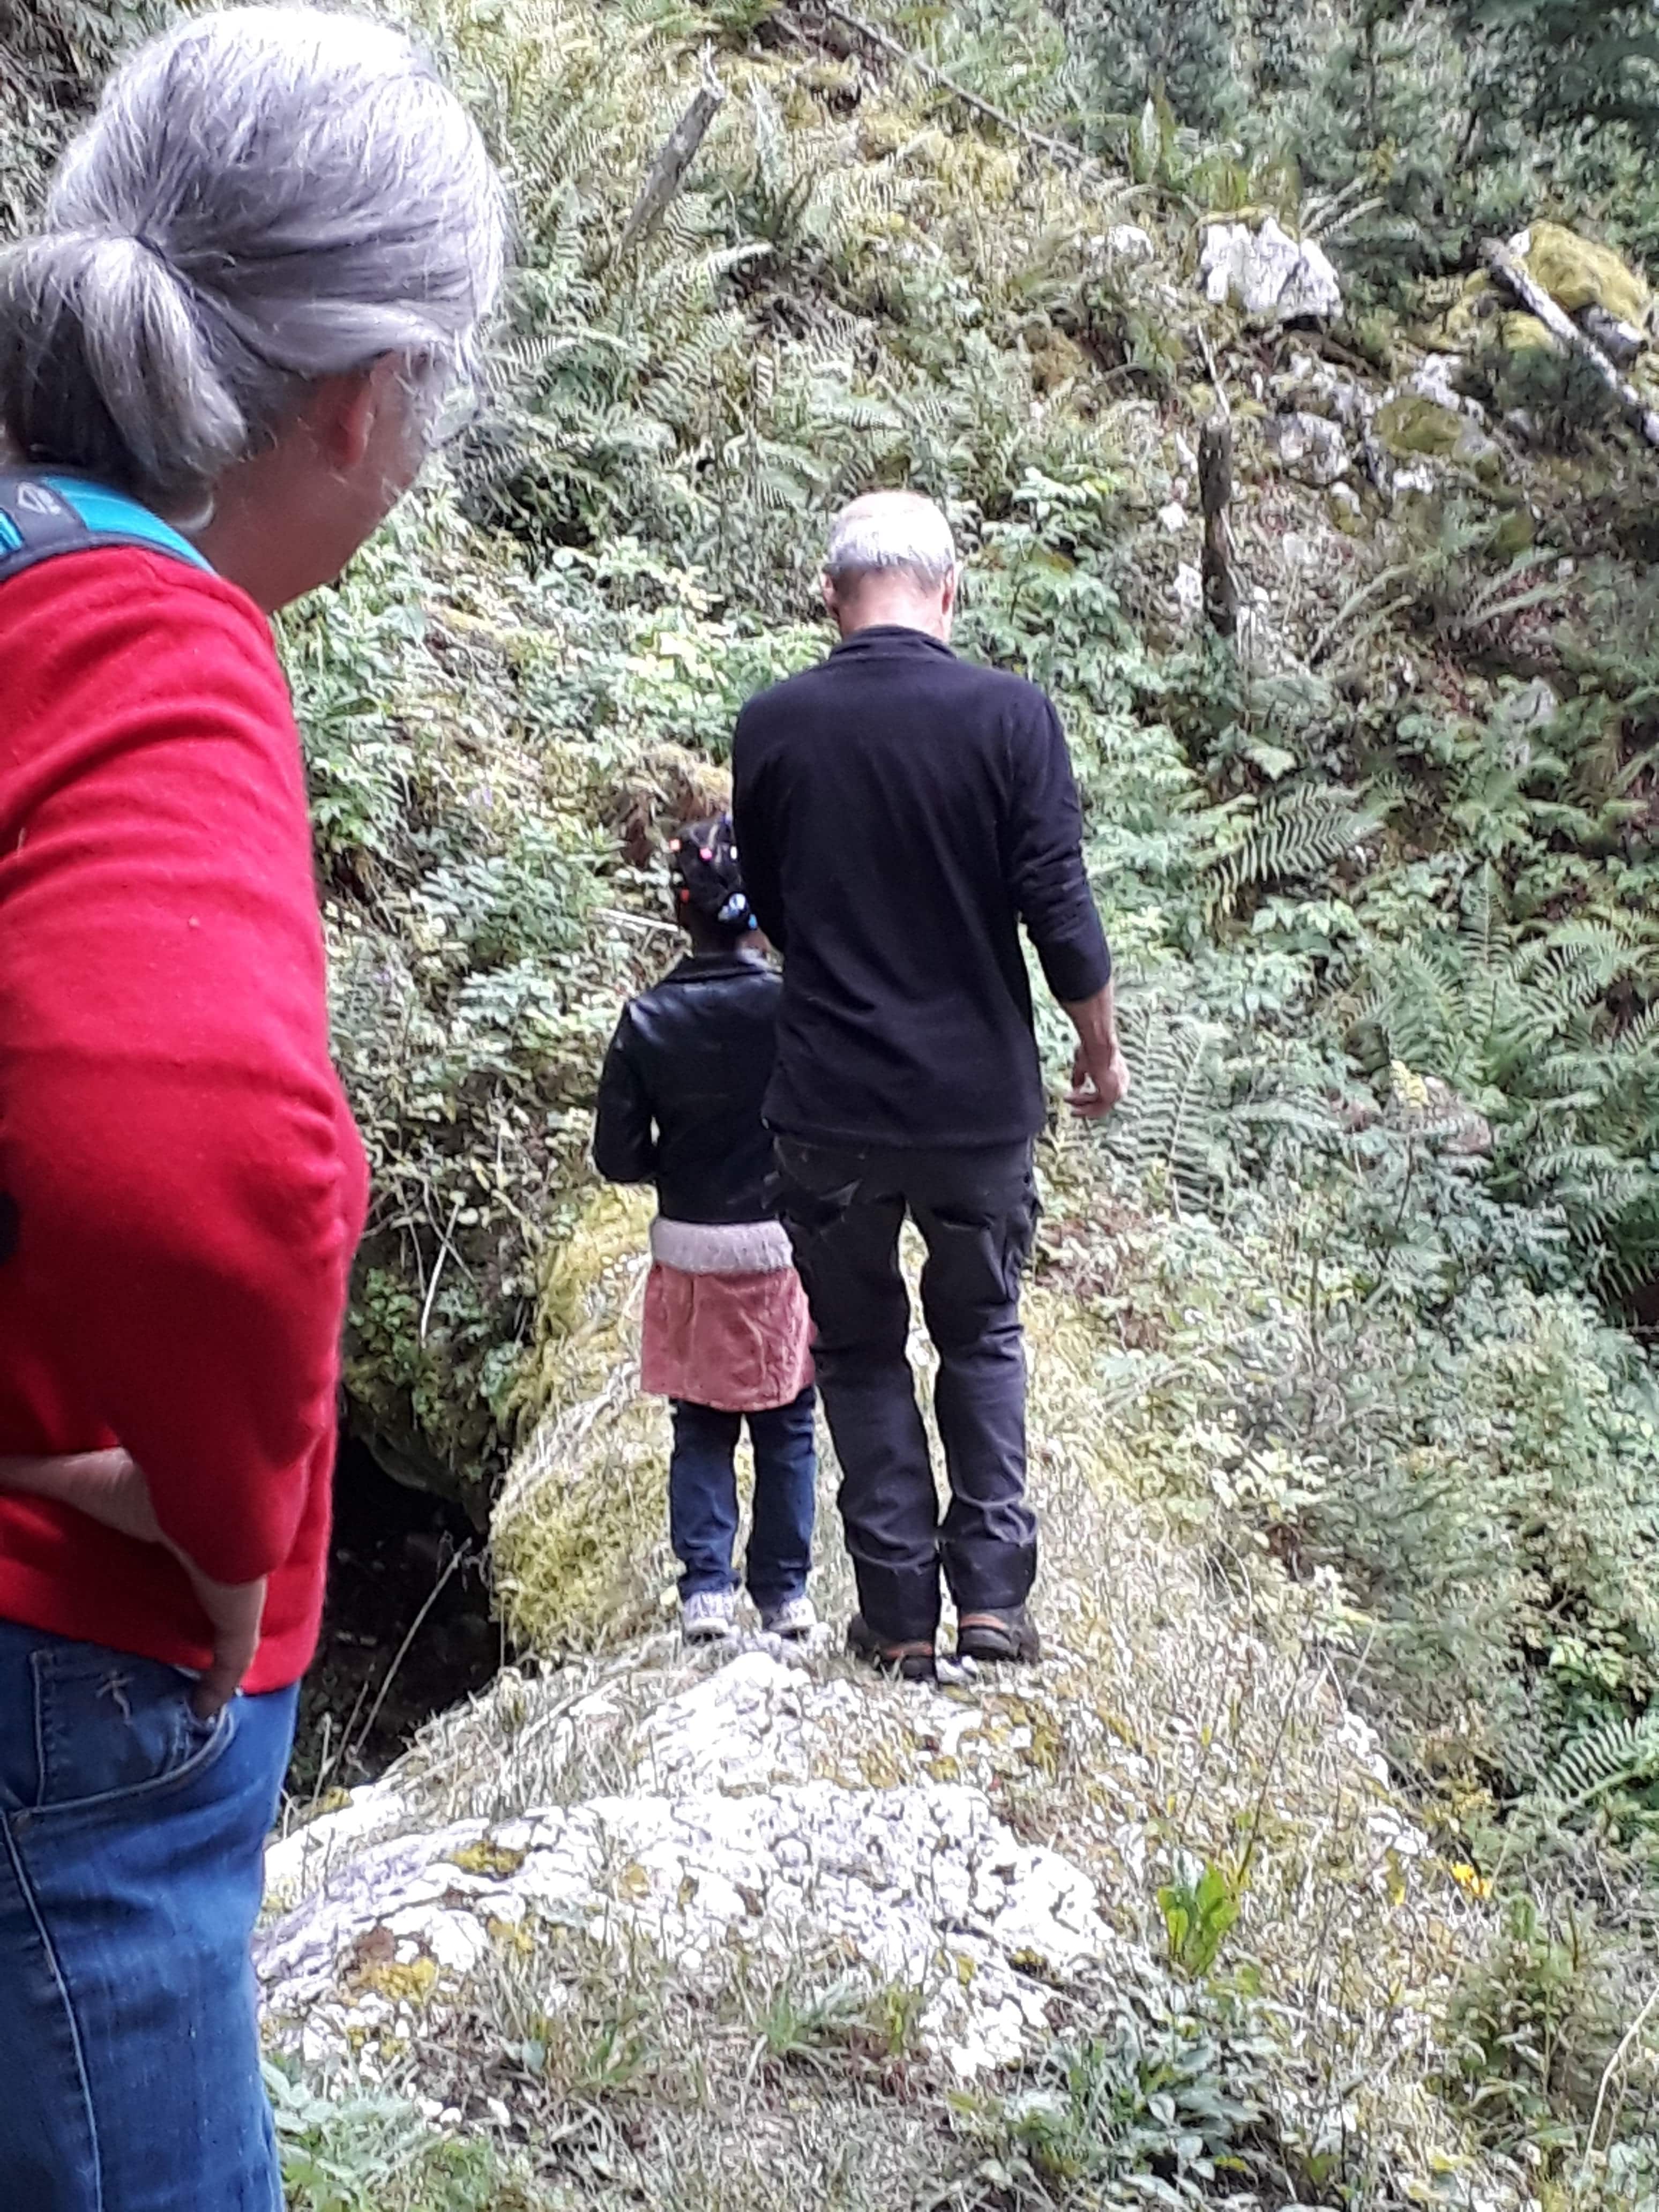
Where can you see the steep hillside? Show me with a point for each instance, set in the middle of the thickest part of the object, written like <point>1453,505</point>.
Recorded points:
<point>1338,1415</point>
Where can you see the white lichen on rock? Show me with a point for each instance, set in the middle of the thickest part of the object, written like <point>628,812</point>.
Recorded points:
<point>1273,278</point>
<point>1308,447</point>
<point>725,1846</point>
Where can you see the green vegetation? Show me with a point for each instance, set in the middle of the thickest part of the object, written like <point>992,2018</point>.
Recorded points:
<point>374,2153</point>
<point>1347,1297</point>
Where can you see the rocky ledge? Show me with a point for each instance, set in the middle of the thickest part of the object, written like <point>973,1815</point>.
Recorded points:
<point>724,1837</point>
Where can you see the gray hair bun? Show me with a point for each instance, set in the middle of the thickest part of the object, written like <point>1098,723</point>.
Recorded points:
<point>266,196</point>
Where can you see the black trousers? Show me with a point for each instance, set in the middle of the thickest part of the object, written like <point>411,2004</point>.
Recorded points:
<point>976,1210</point>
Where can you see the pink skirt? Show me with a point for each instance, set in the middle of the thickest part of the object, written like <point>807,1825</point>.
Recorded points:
<point>740,1343</point>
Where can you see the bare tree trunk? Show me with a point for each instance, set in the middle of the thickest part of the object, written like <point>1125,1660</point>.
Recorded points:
<point>1561,327</point>
<point>1215,492</point>
<point>668,170</point>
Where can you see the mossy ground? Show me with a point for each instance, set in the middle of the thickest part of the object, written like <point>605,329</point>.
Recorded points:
<point>579,1533</point>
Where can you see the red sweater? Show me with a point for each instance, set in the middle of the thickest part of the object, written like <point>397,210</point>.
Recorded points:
<point>182,1185</point>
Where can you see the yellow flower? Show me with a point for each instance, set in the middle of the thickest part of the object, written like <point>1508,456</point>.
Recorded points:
<point>1470,1882</point>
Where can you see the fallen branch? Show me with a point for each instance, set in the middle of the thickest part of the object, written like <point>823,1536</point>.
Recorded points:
<point>1632,2036</point>
<point>668,170</point>
<point>1220,389</point>
<point>1562,328</point>
<point>445,1251</point>
<point>1059,149</point>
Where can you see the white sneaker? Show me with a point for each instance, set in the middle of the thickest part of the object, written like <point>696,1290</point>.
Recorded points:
<point>795,1618</point>
<point>709,1617</point>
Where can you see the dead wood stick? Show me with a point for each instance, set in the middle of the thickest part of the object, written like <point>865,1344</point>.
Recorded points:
<point>1215,492</point>
<point>668,170</point>
<point>1561,327</point>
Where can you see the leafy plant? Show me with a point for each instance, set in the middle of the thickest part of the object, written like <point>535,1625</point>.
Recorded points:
<point>374,2153</point>
<point>1537,2025</point>
<point>1197,1913</point>
<point>1174,2098</point>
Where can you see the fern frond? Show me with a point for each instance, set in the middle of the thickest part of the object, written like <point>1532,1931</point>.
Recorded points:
<point>1602,1761</point>
<point>1176,1121</point>
<point>1293,835</point>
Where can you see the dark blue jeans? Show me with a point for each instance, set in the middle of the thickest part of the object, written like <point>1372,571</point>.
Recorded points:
<point>976,1208</point>
<point>131,1841</point>
<point>702,1498</point>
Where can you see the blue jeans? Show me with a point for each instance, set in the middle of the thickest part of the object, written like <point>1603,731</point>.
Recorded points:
<point>702,1498</point>
<point>131,1836</point>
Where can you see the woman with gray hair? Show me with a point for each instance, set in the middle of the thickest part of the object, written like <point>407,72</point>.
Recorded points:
<point>254,301</point>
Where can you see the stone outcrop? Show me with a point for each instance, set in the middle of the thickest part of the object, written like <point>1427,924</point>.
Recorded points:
<point>1310,448</point>
<point>728,1838</point>
<point>724,1836</point>
<point>1273,278</point>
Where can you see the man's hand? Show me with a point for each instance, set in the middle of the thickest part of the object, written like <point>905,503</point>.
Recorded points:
<point>110,1486</point>
<point>1099,1082</point>
<point>1100,1075</point>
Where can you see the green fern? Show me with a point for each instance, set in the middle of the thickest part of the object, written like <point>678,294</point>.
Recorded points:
<point>1517,1018</point>
<point>1175,1127</point>
<point>1290,835</point>
<point>1617,1756</point>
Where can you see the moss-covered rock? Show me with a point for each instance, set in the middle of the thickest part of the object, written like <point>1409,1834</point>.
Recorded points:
<point>1523,333</point>
<point>579,1532</point>
<point>1583,278</point>
<point>1480,318</point>
<point>1412,425</point>
<point>1515,535</point>
<point>1471,310</point>
<point>1578,273</point>
<point>1415,426</point>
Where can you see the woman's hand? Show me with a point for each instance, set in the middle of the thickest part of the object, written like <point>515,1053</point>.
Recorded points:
<point>109,1486</point>
<point>236,1610</point>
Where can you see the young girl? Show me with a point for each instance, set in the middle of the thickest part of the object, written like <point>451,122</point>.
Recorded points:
<point>726,1336</point>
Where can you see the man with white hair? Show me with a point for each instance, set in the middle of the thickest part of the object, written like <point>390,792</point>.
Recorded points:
<point>900,813</point>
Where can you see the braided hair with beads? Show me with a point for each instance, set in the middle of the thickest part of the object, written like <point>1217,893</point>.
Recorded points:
<point>706,880</point>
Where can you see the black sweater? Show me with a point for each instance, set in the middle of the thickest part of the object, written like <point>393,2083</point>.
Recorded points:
<point>680,1096</point>
<point>899,813</point>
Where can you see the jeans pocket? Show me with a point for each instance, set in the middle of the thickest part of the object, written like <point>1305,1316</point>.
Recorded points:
<point>109,1723</point>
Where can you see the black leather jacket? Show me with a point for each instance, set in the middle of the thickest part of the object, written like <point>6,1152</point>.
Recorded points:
<point>680,1095</point>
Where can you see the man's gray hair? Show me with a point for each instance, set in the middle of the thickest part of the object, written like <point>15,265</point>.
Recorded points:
<point>891,533</point>
<point>265,196</point>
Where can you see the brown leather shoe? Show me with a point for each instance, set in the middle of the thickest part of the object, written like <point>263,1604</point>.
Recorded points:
<point>911,1663</point>
<point>1004,1639</point>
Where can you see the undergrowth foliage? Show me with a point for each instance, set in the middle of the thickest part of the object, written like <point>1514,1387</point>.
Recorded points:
<point>1351,1274</point>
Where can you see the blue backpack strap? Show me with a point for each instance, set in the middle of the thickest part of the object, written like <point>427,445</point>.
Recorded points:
<point>44,514</point>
